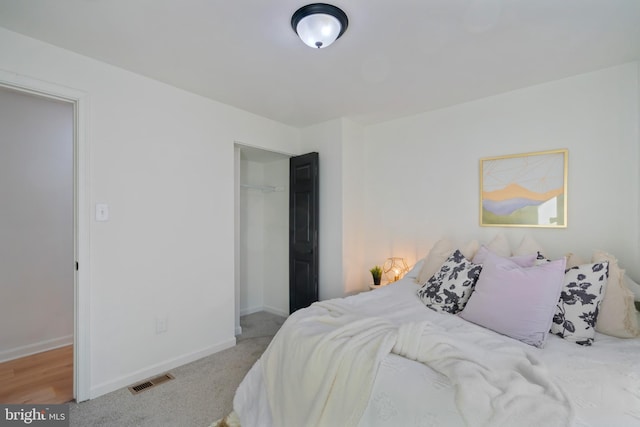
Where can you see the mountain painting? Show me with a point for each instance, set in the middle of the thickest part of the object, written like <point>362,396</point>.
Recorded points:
<point>524,190</point>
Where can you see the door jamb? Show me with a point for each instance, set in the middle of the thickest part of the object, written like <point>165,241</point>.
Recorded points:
<point>82,215</point>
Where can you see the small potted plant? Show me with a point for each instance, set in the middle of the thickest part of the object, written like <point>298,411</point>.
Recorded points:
<point>376,272</point>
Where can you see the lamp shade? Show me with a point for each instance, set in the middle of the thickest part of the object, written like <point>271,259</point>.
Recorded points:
<point>318,25</point>
<point>394,268</point>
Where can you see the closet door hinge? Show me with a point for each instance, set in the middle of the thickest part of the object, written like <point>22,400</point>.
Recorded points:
<point>76,265</point>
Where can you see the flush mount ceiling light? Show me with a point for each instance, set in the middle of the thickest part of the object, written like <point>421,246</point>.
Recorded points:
<point>319,24</point>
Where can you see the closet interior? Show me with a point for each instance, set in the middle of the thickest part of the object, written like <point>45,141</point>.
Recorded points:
<point>262,230</point>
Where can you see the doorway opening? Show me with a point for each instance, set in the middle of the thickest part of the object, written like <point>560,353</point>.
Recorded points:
<point>76,267</point>
<point>262,232</point>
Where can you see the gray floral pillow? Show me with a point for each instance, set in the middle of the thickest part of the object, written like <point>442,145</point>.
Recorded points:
<point>577,312</point>
<point>450,288</point>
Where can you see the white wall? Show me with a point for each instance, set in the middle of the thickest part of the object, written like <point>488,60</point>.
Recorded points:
<point>36,224</point>
<point>163,159</point>
<point>264,233</point>
<point>355,278</point>
<point>276,238</point>
<point>252,259</point>
<point>339,144</point>
<point>422,172</point>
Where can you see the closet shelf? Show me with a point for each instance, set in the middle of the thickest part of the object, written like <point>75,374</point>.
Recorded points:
<point>263,188</point>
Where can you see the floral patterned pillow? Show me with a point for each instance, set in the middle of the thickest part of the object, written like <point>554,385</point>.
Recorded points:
<point>540,259</point>
<point>577,311</point>
<point>449,289</point>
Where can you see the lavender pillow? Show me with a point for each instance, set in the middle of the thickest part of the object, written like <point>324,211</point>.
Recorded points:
<point>516,301</point>
<point>521,260</point>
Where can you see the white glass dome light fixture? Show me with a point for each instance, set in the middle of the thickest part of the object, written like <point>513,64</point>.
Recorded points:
<point>319,24</point>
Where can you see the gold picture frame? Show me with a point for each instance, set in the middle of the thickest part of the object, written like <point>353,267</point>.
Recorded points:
<point>524,190</point>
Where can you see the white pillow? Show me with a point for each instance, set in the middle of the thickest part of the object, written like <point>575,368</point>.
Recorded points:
<point>415,270</point>
<point>522,260</point>
<point>499,245</point>
<point>617,311</point>
<point>528,245</point>
<point>574,260</point>
<point>434,260</point>
<point>469,250</point>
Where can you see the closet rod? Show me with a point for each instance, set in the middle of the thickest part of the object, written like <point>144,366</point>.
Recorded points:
<point>263,188</point>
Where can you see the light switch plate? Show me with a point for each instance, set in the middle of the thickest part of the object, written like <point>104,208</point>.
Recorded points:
<point>102,212</point>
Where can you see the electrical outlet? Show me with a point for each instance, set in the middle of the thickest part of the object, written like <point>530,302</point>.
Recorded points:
<point>162,324</point>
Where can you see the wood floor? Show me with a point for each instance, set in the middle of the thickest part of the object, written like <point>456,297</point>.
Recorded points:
<point>45,377</point>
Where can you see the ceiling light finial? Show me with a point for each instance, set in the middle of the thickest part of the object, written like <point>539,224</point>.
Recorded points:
<point>319,24</point>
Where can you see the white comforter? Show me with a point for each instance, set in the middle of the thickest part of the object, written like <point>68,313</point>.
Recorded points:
<point>321,366</point>
<point>474,387</point>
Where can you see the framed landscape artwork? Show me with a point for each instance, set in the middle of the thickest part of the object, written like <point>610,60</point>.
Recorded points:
<point>524,190</point>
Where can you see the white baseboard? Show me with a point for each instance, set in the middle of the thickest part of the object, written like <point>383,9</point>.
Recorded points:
<point>276,311</point>
<point>158,368</point>
<point>250,310</point>
<point>239,330</point>
<point>39,347</point>
<point>268,309</point>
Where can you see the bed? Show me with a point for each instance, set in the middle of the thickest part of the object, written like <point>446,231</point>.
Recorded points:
<point>385,358</point>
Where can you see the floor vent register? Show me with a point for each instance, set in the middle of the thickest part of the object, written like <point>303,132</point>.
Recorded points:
<point>147,384</point>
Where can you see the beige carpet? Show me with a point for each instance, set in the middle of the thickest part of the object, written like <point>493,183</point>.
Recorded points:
<point>201,392</point>
<point>230,420</point>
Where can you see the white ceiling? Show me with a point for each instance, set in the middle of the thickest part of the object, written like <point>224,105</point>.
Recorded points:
<point>398,57</point>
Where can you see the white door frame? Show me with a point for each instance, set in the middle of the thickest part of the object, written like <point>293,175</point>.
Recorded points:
<point>82,215</point>
<point>236,232</point>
